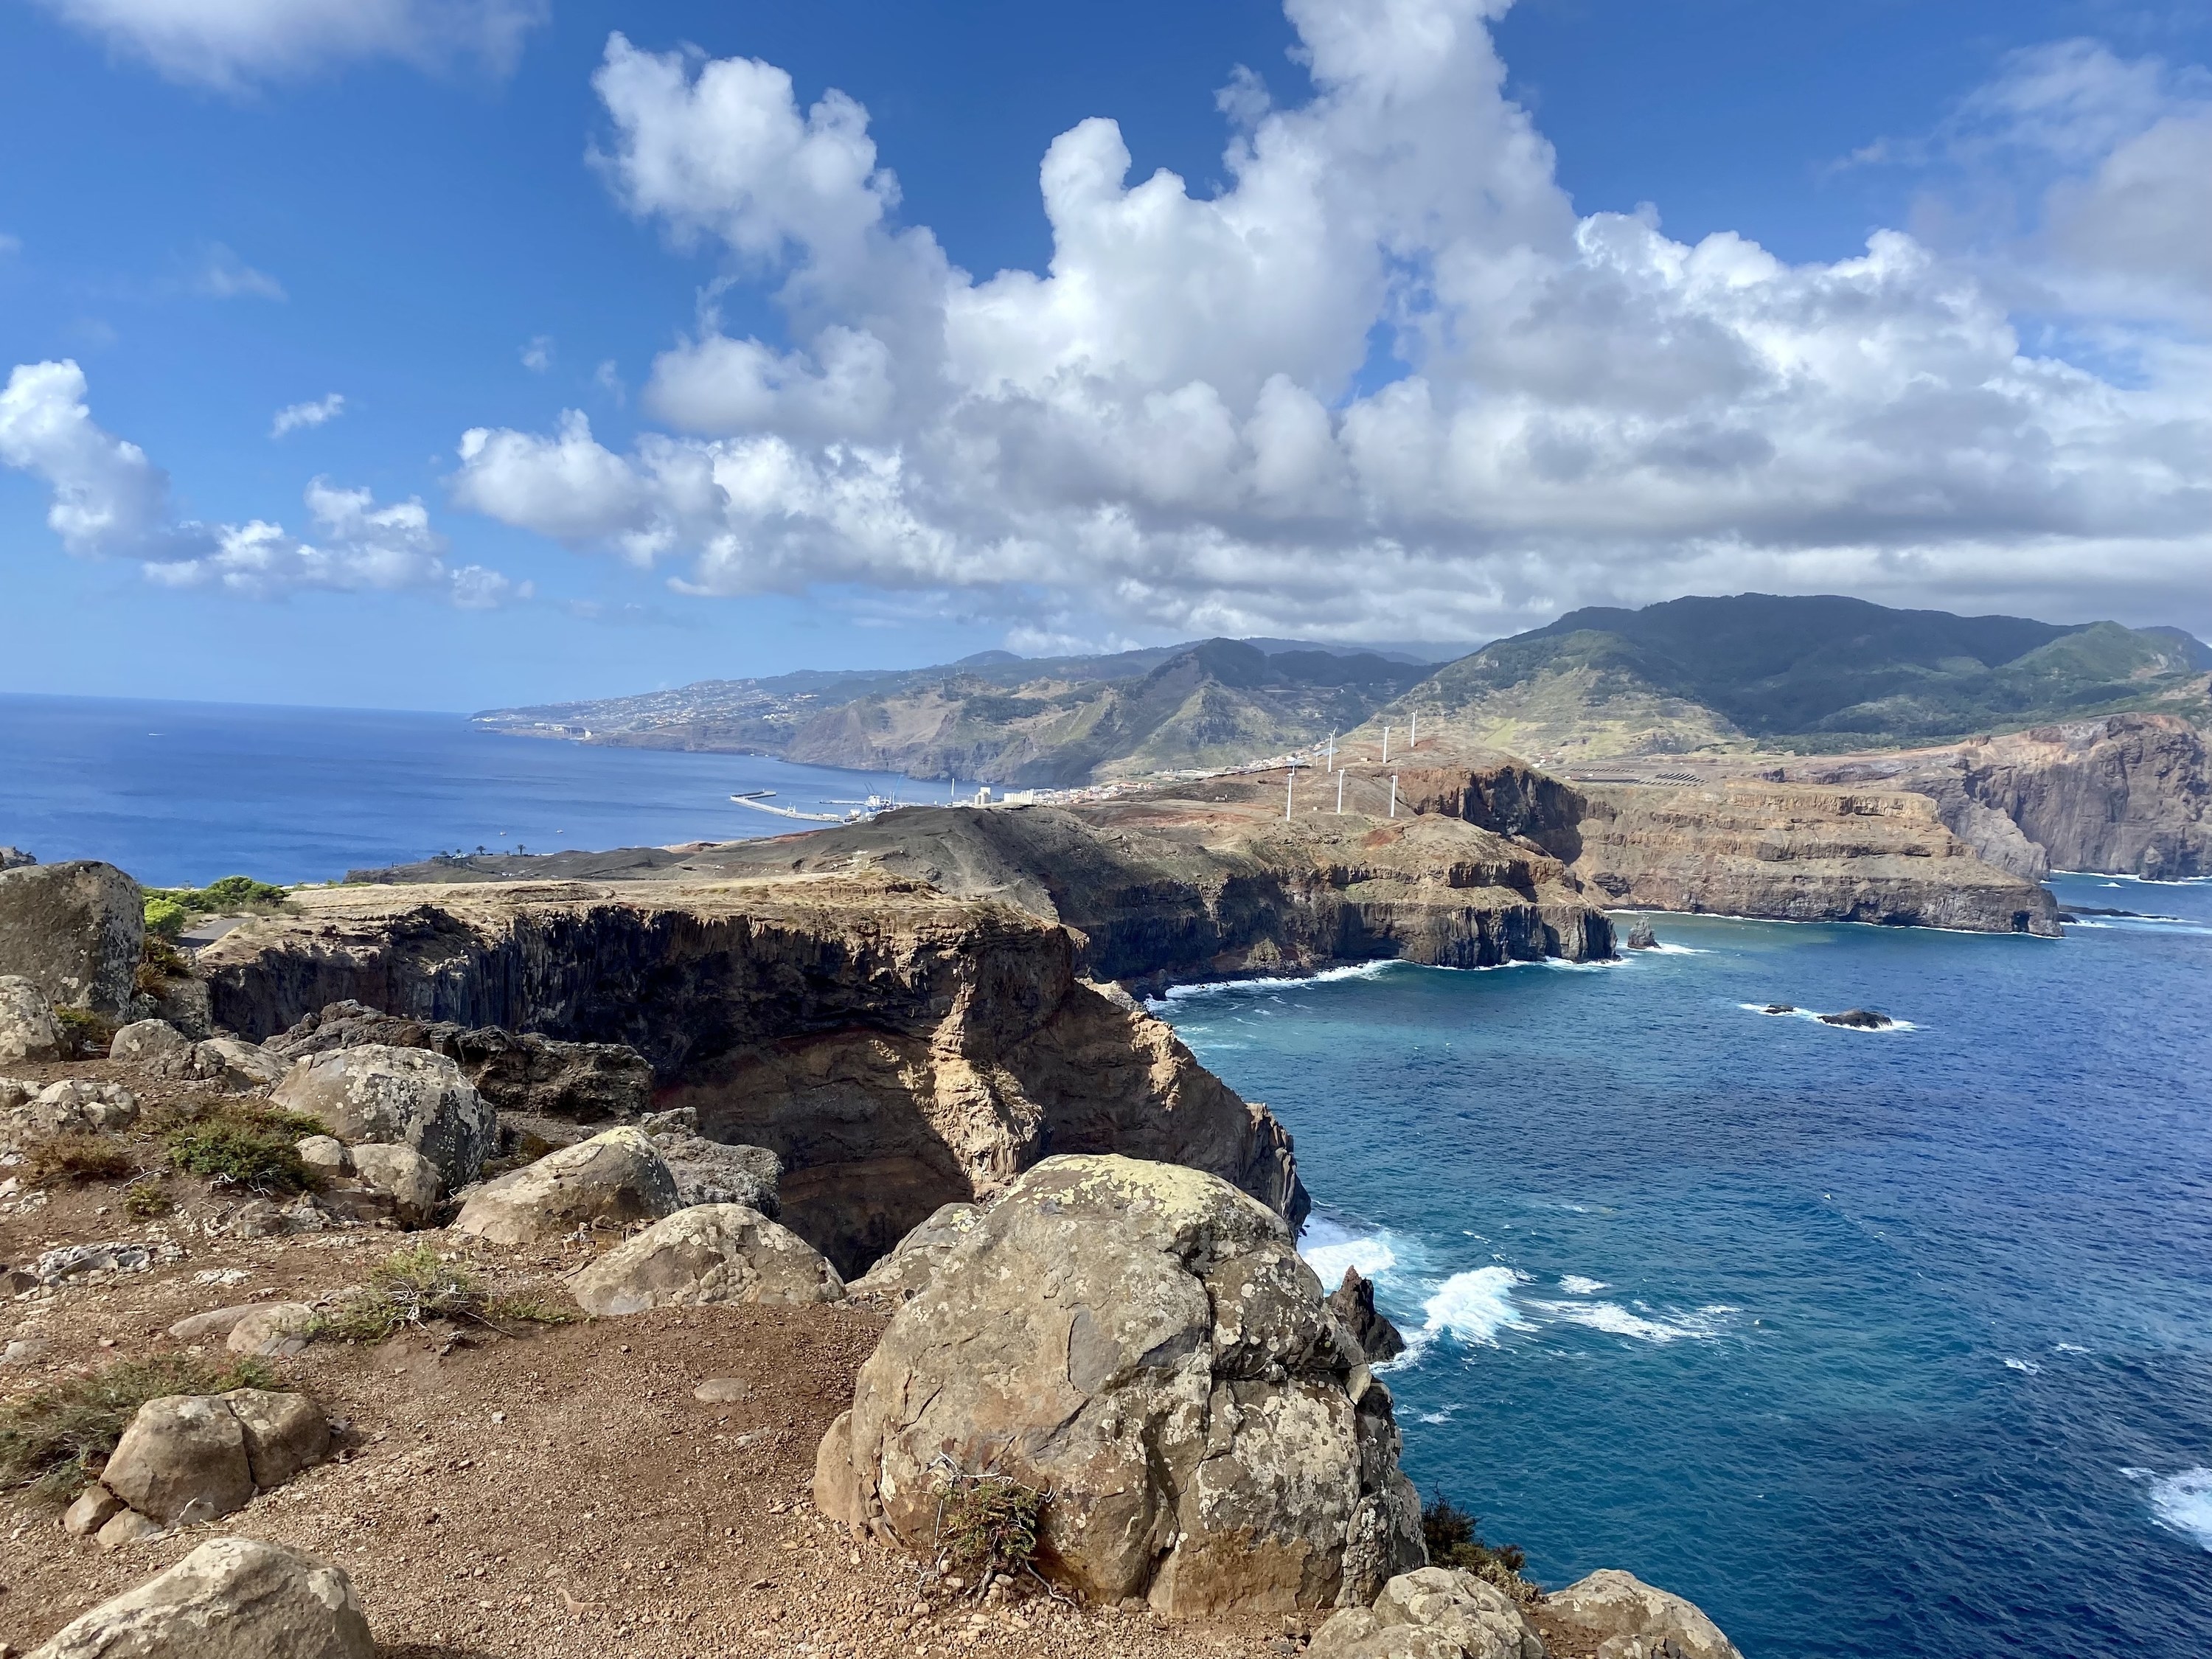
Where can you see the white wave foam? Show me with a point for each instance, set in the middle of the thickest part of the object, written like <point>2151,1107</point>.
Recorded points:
<point>1475,1306</point>
<point>2068,1347</point>
<point>1247,986</point>
<point>1648,1326</point>
<point>1814,1015</point>
<point>1663,949</point>
<point>1576,1284</point>
<point>1329,1248</point>
<point>2026,1366</point>
<point>2183,1502</point>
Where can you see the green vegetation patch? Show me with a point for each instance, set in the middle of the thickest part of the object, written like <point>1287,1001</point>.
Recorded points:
<point>74,1157</point>
<point>409,1288</point>
<point>986,1525</point>
<point>243,1143</point>
<point>55,1441</point>
<point>1454,1540</point>
<point>170,910</point>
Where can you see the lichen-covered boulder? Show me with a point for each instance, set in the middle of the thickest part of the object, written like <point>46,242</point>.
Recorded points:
<point>614,1179</point>
<point>1140,1341</point>
<point>77,1105</point>
<point>75,931</point>
<point>706,1253</point>
<point>1628,1618</point>
<point>145,1041</point>
<point>183,1457</point>
<point>1432,1612</point>
<point>403,1176</point>
<point>914,1260</point>
<point>232,1598</point>
<point>395,1096</point>
<point>27,1030</point>
<point>234,1066</point>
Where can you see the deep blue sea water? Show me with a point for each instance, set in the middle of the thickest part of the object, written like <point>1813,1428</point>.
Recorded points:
<point>178,793</point>
<point>1889,1344</point>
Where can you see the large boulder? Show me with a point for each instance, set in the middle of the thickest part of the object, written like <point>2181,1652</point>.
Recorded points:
<point>395,1096</point>
<point>27,1030</point>
<point>75,931</point>
<point>1141,1341</point>
<point>183,1457</point>
<point>1628,1618</point>
<point>718,1172</point>
<point>906,1272</point>
<point>613,1180</point>
<point>143,1041</point>
<point>706,1253</point>
<point>232,1598</point>
<point>403,1175</point>
<point>1432,1612</point>
<point>234,1066</point>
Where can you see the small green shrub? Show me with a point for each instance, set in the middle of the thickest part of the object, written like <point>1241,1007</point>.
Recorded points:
<point>53,1441</point>
<point>226,897</point>
<point>166,918</point>
<point>986,1525</point>
<point>413,1286</point>
<point>240,1148</point>
<point>84,1034</point>
<point>74,1156</point>
<point>1453,1540</point>
<point>148,1201</point>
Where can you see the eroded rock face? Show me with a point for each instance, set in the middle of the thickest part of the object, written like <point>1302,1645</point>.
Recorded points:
<point>27,1030</point>
<point>396,1096</point>
<point>1142,1340</point>
<point>1432,1612</point>
<point>706,1253</point>
<point>75,931</point>
<point>1632,1619</point>
<point>232,1598</point>
<point>1352,1302</point>
<point>612,1180</point>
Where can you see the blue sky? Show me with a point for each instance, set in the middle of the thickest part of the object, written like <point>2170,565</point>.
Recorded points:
<point>1447,346</point>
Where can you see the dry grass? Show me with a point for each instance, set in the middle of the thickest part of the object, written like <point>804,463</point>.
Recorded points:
<point>74,1157</point>
<point>986,1525</point>
<point>54,1441</point>
<point>412,1287</point>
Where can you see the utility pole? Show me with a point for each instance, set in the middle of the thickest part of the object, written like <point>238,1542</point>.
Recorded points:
<point>1340,794</point>
<point>1393,794</point>
<point>1413,737</point>
<point>1332,751</point>
<point>1290,777</point>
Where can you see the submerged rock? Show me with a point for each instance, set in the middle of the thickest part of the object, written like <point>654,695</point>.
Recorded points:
<point>1141,1341</point>
<point>1780,1008</point>
<point>232,1598</point>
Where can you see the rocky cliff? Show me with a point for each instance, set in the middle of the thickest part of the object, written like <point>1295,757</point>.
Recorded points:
<point>898,1047</point>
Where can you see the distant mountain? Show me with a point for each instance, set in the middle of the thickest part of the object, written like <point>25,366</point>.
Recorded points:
<point>1808,673</point>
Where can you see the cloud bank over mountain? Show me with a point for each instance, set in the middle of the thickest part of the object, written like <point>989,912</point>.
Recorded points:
<point>1386,381</point>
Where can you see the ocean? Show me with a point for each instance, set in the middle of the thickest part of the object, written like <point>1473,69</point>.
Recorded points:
<point>1874,1343</point>
<point>179,793</point>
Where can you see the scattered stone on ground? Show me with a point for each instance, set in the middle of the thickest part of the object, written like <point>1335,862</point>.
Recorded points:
<point>232,1598</point>
<point>706,1253</point>
<point>612,1180</point>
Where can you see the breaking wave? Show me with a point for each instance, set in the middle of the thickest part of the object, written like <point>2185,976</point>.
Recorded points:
<point>2183,1502</point>
<point>1475,1306</point>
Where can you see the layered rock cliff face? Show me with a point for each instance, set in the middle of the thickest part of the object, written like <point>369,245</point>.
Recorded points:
<point>898,1047</point>
<point>2128,795</point>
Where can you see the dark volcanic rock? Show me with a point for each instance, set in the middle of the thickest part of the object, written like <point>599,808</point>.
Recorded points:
<point>1781,1008</point>
<point>1859,1019</point>
<point>1641,938</point>
<point>1353,1304</point>
<point>517,1072</point>
<point>75,931</point>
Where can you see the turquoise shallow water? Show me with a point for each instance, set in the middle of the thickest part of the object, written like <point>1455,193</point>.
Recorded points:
<point>1873,1343</point>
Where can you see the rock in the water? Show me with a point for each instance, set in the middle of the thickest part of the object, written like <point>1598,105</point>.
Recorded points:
<point>1641,938</point>
<point>182,1458</point>
<point>1627,1616</point>
<point>1780,1008</point>
<point>517,1072</point>
<point>706,1253</point>
<point>1142,1341</point>
<point>1353,1304</point>
<point>234,1066</point>
<point>612,1179</point>
<point>144,1041</point>
<point>396,1096</point>
<point>906,1272</point>
<point>232,1598</point>
<point>1859,1019</point>
<point>715,1172</point>
<point>285,1432</point>
<point>75,931</point>
<point>275,1330</point>
<point>27,1030</point>
<point>408,1178</point>
<point>1433,1612</point>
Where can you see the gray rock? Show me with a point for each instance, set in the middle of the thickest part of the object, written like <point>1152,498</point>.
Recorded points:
<point>234,1066</point>
<point>95,1506</point>
<point>183,1457</point>
<point>324,1156</point>
<point>707,1253</point>
<point>395,1096</point>
<point>409,1180</point>
<point>67,1264</point>
<point>126,1528</point>
<point>77,1105</point>
<point>145,1041</point>
<point>184,1002</point>
<point>26,1350</point>
<point>614,1179</point>
<point>284,1433</point>
<point>75,931</point>
<point>914,1259</point>
<point>217,1321</point>
<point>1141,1341</point>
<point>722,1391</point>
<point>15,858</point>
<point>717,1172</point>
<point>27,1030</point>
<point>232,1598</point>
<point>1352,1302</point>
<point>1432,1612</point>
<point>275,1330</point>
<point>256,1218</point>
<point>1629,1618</point>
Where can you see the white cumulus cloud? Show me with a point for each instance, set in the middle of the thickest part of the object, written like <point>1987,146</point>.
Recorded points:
<point>109,500</point>
<point>294,416</point>
<point>1385,382</point>
<point>231,43</point>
